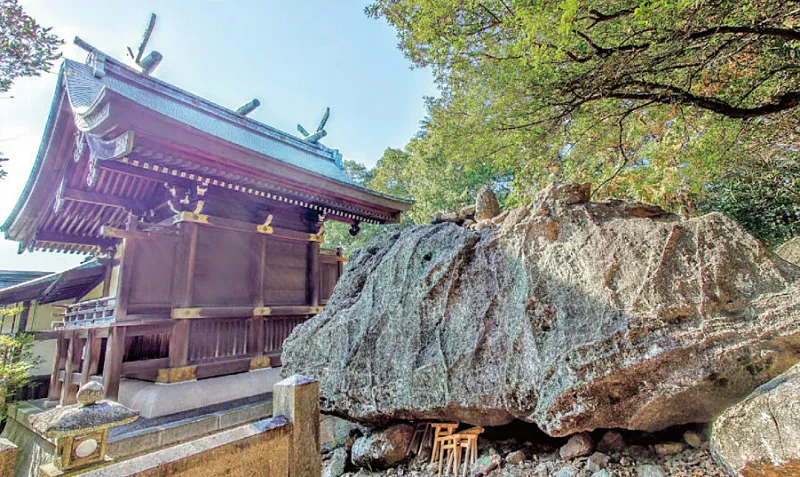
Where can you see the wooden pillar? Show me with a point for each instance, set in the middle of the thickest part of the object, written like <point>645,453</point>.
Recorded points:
<point>297,398</point>
<point>60,361</point>
<point>179,340</point>
<point>115,350</point>
<point>313,274</point>
<point>74,355</point>
<point>340,263</point>
<point>91,361</point>
<point>179,344</point>
<point>23,317</point>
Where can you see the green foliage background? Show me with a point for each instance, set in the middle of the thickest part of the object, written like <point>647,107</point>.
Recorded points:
<point>691,105</point>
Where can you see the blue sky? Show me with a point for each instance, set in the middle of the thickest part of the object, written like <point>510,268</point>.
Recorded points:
<point>296,57</point>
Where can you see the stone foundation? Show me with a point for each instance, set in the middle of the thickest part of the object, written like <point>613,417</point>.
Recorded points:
<point>157,399</point>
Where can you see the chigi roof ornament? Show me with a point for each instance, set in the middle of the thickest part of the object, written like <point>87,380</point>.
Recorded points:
<point>147,65</point>
<point>151,61</point>
<point>320,133</point>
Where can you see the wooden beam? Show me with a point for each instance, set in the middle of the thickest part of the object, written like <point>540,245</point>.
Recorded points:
<point>62,350</point>
<point>78,195</point>
<point>145,173</point>
<point>23,317</point>
<point>115,350</point>
<point>144,365</point>
<point>112,232</point>
<point>74,354</point>
<point>313,274</point>
<point>91,362</point>
<point>48,236</point>
<point>241,226</point>
<point>185,314</point>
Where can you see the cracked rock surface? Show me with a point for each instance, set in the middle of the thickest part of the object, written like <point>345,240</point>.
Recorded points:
<point>761,435</point>
<point>570,314</point>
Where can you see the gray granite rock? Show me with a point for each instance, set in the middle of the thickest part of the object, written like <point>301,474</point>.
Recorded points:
<point>566,471</point>
<point>486,205</point>
<point>572,315</point>
<point>669,448</point>
<point>597,461</point>
<point>337,463</point>
<point>382,449</point>
<point>515,457</point>
<point>790,251</point>
<point>650,470</point>
<point>578,445</point>
<point>485,465</point>
<point>760,436</point>
<point>612,441</point>
<point>90,393</point>
<point>693,439</point>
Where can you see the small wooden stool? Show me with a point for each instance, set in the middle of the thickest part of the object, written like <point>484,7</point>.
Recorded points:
<point>440,430</point>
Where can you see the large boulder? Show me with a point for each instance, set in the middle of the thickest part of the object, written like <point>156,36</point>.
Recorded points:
<point>573,315</point>
<point>761,435</point>
<point>790,251</point>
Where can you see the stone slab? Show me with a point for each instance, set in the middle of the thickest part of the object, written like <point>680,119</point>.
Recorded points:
<point>244,414</point>
<point>257,449</point>
<point>155,400</point>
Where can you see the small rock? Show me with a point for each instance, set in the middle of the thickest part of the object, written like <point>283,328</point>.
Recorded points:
<point>382,449</point>
<point>578,445</point>
<point>602,473</point>
<point>670,448</point>
<point>467,211</point>
<point>486,205</point>
<point>693,439</point>
<point>336,464</point>
<point>90,393</point>
<point>597,461</point>
<point>625,461</point>
<point>567,471</point>
<point>650,470</point>
<point>612,441</point>
<point>484,465</point>
<point>515,457</point>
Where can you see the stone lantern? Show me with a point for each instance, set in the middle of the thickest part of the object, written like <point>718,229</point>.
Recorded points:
<point>81,430</point>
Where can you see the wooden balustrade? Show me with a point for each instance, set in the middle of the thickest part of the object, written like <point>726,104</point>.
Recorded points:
<point>216,339</point>
<point>277,329</point>
<point>88,313</point>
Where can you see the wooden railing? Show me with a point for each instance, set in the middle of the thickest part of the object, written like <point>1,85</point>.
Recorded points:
<point>217,339</point>
<point>87,313</point>
<point>277,329</point>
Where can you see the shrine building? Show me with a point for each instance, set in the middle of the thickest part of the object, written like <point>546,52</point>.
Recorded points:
<point>209,224</point>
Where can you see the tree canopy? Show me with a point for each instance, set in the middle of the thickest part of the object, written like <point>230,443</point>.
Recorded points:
<point>26,48</point>
<point>664,101</point>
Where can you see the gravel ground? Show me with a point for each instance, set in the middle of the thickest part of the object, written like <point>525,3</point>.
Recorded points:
<point>633,461</point>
